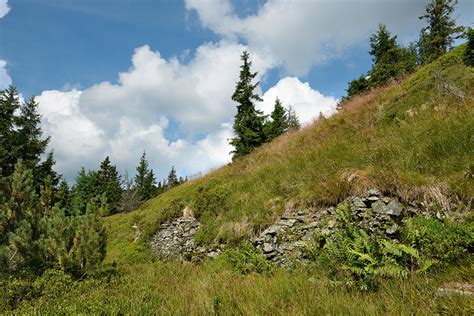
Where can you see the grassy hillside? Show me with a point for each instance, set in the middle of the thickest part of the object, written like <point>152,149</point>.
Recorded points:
<point>411,139</point>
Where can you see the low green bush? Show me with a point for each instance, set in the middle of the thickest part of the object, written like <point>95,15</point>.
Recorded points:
<point>353,255</point>
<point>445,241</point>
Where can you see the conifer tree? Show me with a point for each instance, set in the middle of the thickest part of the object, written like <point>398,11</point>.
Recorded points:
<point>9,104</point>
<point>293,122</point>
<point>22,216</point>
<point>85,189</point>
<point>144,179</point>
<point>248,123</point>
<point>30,145</point>
<point>469,54</point>
<point>108,181</point>
<point>172,179</point>
<point>386,54</point>
<point>279,122</point>
<point>63,196</point>
<point>437,37</point>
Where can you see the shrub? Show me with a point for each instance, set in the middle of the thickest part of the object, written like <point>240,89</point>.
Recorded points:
<point>469,54</point>
<point>355,255</point>
<point>445,241</point>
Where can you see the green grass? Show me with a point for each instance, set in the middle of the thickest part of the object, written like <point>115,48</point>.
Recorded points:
<point>412,139</point>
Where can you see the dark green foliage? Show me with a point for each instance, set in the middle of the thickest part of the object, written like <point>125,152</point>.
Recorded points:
<point>21,214</point>
<point>144,179</point>
<point>386,55</point>
<point>84,190</point>
<point>21,138</point>
<point>63,196</point>
<point>469,54</point>
<point>445,241</point>
<point>108,182</point>
<point>40,235</point>
<point>437,37</point>
<point>30,145</point>
<point>248,122</point>
<point>279,122</point>
<point>357,86</point>
<point>172,179</point>
<point>9,103</point>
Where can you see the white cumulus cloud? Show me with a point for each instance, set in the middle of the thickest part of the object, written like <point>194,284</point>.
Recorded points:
<point>306,102</point>
<point>4,8</point>
<point>303,33</point>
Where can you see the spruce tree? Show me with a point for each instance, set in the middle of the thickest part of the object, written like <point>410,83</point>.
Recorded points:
<point>172,179</point>
<point>9,104</point>
<point>293,122</point>
<point>108,181</point>
<point>469,54</point>
<point>279,122</point>
<point>437,37</point>
<point>30,144</point>
<point>249,122</point>
<point>386,54</point>
<point>85,190</point>
<point>144,179</point>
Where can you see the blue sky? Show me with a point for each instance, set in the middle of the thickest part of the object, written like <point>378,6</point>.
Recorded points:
<point>115,77</point>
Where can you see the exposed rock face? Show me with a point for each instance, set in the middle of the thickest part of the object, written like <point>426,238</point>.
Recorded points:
<point>175,241</point>
<point>286,241</point>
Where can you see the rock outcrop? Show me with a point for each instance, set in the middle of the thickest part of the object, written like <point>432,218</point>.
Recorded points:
<point>287,240</point>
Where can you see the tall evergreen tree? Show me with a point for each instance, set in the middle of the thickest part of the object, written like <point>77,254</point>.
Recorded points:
<point>30,144</point>
<point>9,104</point>
<point>172,179</point>
<point>279,122</point>
<point>108,181</point>
<point>292,119</point>
<point>386,54</point>
<point>85,190</point>
<point>144,178</point>
<point>437,37</point>
<point>249,122</point>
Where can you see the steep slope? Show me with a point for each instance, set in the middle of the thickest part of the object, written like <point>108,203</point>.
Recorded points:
<point>411,139</point>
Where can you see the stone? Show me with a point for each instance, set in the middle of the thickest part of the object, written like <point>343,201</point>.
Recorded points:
<point>392,229</point>
<point>379,207</point>
<point>287,222</point>
<point>272,230</point>
<point>394,208</point>
<point>267,248</point>
<point>358,202</point>
<point>213,254</point>
<point>374,192</point>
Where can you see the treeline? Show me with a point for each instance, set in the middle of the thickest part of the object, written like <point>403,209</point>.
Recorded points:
<point>392,60</point>
<point>251,127</point>
<point>121,193</point>
<point>44,223</point>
